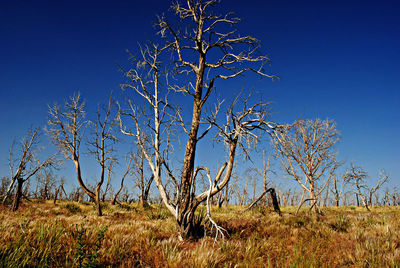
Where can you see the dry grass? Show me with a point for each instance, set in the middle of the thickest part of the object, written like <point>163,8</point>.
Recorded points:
<point>69,234</point>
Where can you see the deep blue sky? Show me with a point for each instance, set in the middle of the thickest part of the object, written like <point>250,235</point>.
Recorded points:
<point>336,59</point>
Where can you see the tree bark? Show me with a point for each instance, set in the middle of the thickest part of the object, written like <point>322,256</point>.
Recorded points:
<point>17,195</point>
<point>97,201</point>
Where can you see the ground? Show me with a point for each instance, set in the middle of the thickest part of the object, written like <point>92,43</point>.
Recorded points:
<point>69,234</point>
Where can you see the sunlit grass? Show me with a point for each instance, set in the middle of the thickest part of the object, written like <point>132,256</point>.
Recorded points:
<point>48,235</point>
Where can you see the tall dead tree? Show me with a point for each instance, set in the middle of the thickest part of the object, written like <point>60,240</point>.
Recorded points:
<point>24,164</point>
<point>205,48</point>
<point>305,151</point>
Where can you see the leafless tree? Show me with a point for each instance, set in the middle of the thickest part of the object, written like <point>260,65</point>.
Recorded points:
<point>305,150</point>
<point>127,172</point>
<point>357,176</point>
<point>339,182</point>
<point>243,194</point>
<point>108,189</point>
<point>66,129</point>
<point>60,191</point>
<point>233,55</point>
<point>264,174</point>
<point>25,163</point>
<point>5,182</point>
<point>382,179</point>
<point>143,183</point>
<point>47,185</point>
<point>101,146</point>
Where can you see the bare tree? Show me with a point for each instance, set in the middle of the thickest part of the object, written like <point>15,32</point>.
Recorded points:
<point>243,195</point>
<point>5,182</point>
<point>66,128</point>
<point>264,174</point>
<point>305,150</point>
<point>233,55</point>
<point>60,191</point>
<point>102,145</point>
<point>357,176</point>
<point>108,189</point>
<point>143,183</point>
<point>382,179</point>
<point>128,172</point>
<point>25,163</point>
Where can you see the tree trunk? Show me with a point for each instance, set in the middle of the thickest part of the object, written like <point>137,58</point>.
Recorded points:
<point>56,195</point>
<point>313,199</point>
<point>97,201</point>
<point>186,226</point>
<point>275,201</point>
<point>17,195</point>
<point>370,198</point>
<point>226,197</point>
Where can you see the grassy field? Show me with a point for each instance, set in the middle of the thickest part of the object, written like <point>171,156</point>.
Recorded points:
<point>69,234</point>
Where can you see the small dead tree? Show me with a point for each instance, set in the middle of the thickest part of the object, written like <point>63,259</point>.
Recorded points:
<point>108,189</point>
<point>66,129</point>
<point>143,183</point>
<point>382,179</point>
<point>338,187</point>
<point>305,150</point>
<point>102,146</point>
<point>5,182</point>
<point>46,181</point>
<point>264,174</point>
<point>25,164</point>
<point>357,176</point>
<point>128,172</point>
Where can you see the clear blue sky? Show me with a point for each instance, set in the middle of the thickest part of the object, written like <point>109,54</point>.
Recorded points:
<point>336,59</point>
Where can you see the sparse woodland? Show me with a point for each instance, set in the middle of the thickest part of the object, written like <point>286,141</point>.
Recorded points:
<point>301,206</point>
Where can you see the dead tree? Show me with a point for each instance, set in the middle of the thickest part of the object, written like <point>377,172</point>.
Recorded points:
<point>25,164</point>
<point>60,191</point>
<point>101,146</point>
<point>128,172</point>
<point>338,188</point>
<point>143,183</point>
<point>357,176</point>
<point>108,187</point>
<point>264,174</point>
<point>305,151</point>
<point>243,195</point>
<point>233,55</point>
<point>382,179</point>
<point>66,129</point>
<point>5,182</point>
<point>46,181</point>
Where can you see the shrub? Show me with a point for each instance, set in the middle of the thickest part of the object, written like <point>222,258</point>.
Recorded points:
<point>87,253</point>
<point>71,207</point>
<point>341,224</point>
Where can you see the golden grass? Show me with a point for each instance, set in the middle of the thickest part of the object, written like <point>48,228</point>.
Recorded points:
<point>47,235</point>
